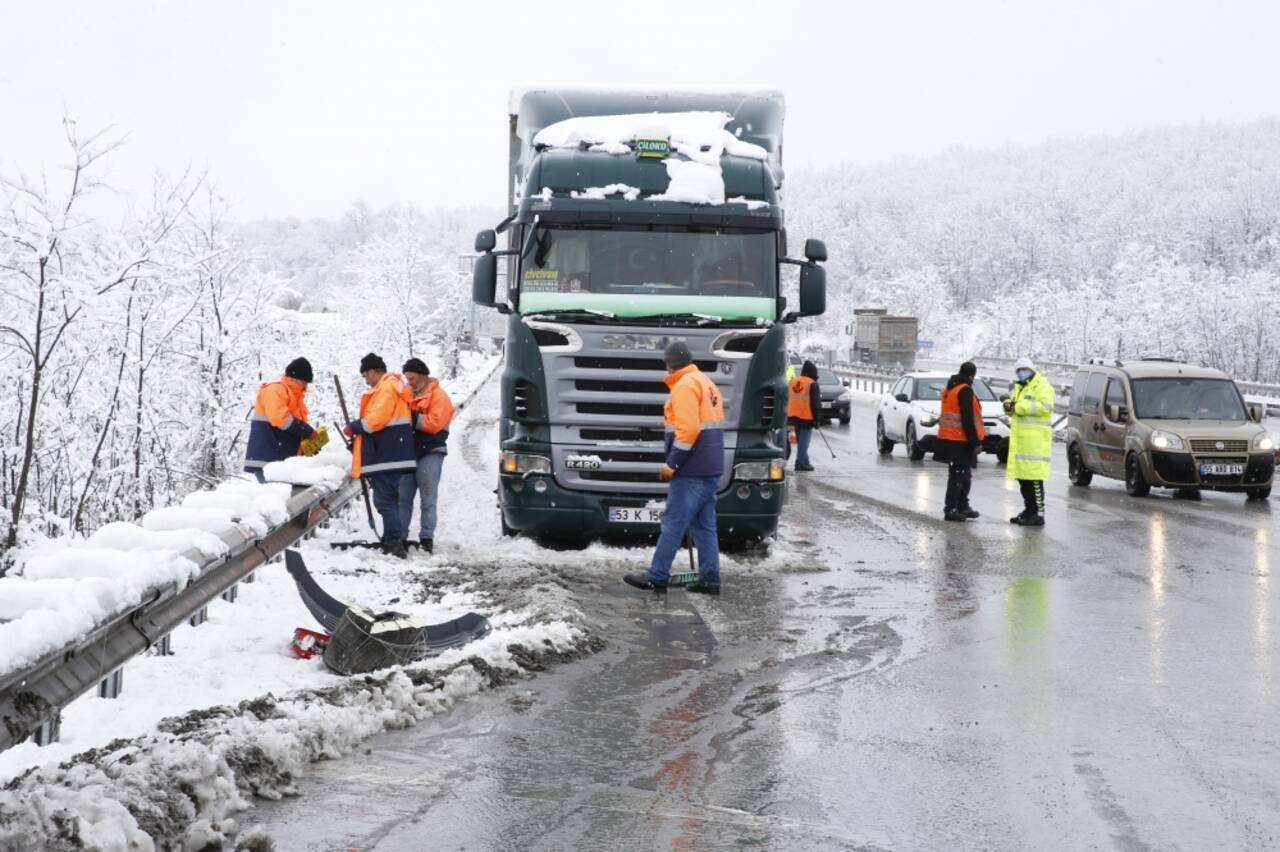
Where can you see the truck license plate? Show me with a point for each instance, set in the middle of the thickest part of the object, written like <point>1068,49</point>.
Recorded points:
<point>1221,470</point>
<point>635,515</point>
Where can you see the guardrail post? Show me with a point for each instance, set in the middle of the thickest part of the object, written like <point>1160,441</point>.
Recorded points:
<point>164,647</point>
<point>199,617</point>
<point>49,732</point>
<point>113,685</point>
<point>232,593</point>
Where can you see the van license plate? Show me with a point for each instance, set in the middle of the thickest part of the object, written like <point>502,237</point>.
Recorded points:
<point>1221,470</point>
<point>635,515</point>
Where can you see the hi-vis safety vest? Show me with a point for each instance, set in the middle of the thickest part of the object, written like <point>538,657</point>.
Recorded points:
<point>1031,430</point>
<point>950,423</point>
<point>279,423</point>
<point>799,405</point>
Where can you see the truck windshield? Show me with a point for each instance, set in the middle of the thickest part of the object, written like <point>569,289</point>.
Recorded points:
<point>731,275</point>
<point>1187,399</point>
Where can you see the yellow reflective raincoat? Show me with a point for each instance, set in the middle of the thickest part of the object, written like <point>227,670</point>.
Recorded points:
<point>1030,429</point>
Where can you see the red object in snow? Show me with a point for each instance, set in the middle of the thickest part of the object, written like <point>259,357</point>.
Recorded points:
<point>308,643</point>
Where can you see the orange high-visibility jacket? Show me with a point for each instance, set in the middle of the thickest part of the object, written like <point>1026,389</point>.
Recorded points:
<point>951,423</point>
<point>694,416</point>
<point>800,403</point>
<point>278,424</point>
<point>432,413</point>
<point>383,434</point>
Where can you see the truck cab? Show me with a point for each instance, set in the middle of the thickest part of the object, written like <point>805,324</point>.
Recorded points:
<point>637,219</point>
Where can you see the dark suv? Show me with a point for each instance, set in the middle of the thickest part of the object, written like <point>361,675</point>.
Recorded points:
<point>835,397</point>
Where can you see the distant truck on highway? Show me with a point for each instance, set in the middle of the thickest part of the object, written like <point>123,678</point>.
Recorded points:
<point>636,219</point>
<point>880,340</point>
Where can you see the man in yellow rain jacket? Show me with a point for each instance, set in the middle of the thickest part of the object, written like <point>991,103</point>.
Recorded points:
<point>694,464</point>
<point>382,450</point>
<point>1030,409</point>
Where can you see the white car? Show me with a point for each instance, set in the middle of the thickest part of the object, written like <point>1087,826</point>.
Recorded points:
<point>908,415</point>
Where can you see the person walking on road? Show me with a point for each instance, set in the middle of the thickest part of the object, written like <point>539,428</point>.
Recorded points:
<point>804,407</point>
<point>1030,409</point>
<point>382,449</point>
<point>432,411</point>
<point>279,421</point>
<point>960,435</point>
<point>694,463</point>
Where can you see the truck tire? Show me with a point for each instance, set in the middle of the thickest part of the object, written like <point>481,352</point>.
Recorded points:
<point>1134,482</point>
<point>1076,471</point>
<point>883,444</point>
<point>1259,493</point>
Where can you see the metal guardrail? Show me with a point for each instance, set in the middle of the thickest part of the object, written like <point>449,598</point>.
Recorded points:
<point>32,698</point>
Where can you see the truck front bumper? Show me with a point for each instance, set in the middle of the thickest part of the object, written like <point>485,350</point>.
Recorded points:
<point>746,512</point>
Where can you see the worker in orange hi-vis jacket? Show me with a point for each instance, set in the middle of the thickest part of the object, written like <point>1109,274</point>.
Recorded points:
<point>279,421</point>
<point>382,446</point>
<point>432,411</point>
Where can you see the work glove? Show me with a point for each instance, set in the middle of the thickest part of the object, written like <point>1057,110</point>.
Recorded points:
<point>1008,406</point>
<point>665,473</point>
<point>346,430</point>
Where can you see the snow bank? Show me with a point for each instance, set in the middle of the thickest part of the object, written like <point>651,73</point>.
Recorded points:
<point>65,589</point>
<point>599,193</point>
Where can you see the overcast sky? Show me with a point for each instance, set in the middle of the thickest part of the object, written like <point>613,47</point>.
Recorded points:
<point>299,108</point>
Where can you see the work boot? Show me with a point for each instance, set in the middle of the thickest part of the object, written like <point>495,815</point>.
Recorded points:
<point>969,512</point>
<point>955,515</point>
<point>426,544</point>
<point>701,588</point>
<point>1018,518</point>
<point>398,550</point>
<point>1031,520</point>
<point>641,581</point>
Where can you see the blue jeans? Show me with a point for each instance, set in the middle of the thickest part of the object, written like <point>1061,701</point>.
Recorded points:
<point>425,481</point>
<point>804,434</point>
<point>691,503</point>
<point>386,499</point>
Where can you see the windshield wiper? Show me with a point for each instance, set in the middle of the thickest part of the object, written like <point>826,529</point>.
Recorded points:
<point>699,319</point>
<point>574,312</point>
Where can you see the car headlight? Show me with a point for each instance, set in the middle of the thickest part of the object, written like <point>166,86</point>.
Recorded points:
<point>519,464</point>
<point>1264,442</point>
<point>928,420</point>
<point>1165,441</point>
<point>844,396</point>
<point>761,471</point>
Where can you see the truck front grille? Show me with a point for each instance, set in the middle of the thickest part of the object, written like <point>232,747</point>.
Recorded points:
<point>608,386</point>
<point>634,409</point>
<point>650,364</point>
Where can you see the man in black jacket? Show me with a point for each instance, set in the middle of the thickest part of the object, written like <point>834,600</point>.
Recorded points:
<point>960,435</point>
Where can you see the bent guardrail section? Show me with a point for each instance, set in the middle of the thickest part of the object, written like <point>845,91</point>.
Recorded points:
<point>33,697</point>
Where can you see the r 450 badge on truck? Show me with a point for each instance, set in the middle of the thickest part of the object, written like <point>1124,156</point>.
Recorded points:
<point>582,462</point>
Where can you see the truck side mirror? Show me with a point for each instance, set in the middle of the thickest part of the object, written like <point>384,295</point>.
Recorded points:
<point>1255,413</point>
<point>815,251</point>
<point>486,240</point>
<point>484,280</point>
<point>813,291</point>
<point>844,382</point>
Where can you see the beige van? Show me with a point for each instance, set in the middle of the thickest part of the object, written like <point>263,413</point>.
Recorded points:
<point>1160,423</point>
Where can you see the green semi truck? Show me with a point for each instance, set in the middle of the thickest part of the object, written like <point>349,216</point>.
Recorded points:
<point>637,218</point>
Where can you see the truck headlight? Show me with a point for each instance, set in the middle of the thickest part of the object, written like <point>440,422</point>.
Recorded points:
<point>519,464</point>
<point>761,471</point>
<point>1264,442</point>
<point>1165,441</point>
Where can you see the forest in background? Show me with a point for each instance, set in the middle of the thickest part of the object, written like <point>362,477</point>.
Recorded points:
<point>131,346</point>
<point>1162,241</point>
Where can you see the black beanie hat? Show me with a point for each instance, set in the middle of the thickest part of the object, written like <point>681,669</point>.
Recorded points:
<point>300,369</point>
<point>372,362</point>
<point>677,355</point>
<point>416,365</point>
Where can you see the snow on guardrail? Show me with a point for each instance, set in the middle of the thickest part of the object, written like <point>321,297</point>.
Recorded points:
<point>62,590</point>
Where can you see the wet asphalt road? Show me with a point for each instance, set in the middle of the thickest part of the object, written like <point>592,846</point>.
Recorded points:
<point>883,680</point>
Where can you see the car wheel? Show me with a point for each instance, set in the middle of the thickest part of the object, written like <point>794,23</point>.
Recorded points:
<point>1259,493</point>
<point>1134,482</point>
<point>1076,471</point>
<point>913,446</point>
<point>845,418</point>
<point>883,444</point>
<point>1002,455</point>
